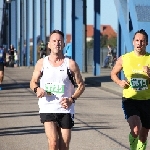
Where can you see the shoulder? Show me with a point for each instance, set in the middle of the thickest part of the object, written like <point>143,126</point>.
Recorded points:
<point>39,64</point>
<point>127,54</point>
<point>120,60</point>
<point>73,66</point>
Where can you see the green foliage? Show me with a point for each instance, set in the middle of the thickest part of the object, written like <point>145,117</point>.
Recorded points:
<point>112,41</point>
<point>103,40</point>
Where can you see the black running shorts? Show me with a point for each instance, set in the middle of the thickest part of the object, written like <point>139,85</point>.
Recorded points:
<point>140,108</point>
<point>63,120</point>
<point>1,66</point>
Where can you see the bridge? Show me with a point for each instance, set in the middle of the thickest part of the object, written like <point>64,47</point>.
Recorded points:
<point>132,15</point>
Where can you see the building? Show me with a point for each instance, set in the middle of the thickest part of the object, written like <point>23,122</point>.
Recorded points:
<point>104,29</point>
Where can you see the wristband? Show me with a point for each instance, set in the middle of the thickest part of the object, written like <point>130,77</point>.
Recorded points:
<point>35,89</point>
<point>73,99</point>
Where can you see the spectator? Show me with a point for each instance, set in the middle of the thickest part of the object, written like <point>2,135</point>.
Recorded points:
<point>68,50</point>
<point>11,55</point>
<point>107,60</point>
<point>42,50</point>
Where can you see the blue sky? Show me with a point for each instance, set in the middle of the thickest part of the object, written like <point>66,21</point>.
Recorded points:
<point>108,14</point>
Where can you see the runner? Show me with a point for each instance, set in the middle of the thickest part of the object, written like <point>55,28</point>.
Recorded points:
<point>136,92</point>
<point>56,92</point>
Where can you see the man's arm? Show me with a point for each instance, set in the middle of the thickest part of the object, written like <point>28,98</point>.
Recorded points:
<point>116,69</point>
<point>78,78</point>
<point>36,74</point>
<point>114,74</point>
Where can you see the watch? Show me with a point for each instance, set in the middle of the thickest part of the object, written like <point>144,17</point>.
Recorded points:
<point>35,89</point>
<point>73,99</point>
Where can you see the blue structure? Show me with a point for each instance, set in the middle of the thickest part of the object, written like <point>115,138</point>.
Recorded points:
<point>132,16</point>
<point>21,11</point>
<point>27,33</point>
<point>77,22</point>
<point>34,51</point>
<point>68,50</point>
<point>96,69</point>
<point>43,20</point>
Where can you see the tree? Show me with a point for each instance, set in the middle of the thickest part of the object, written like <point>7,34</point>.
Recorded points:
<point>112,41</point>
<point>103,40</point>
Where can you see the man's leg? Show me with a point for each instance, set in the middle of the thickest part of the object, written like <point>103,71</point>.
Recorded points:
<point>142,142</point>
<point>133,142</point>
<point>51,131</point>
<point>64,138</point>
<point>1,74</point>
<point>66,123</point>
<point>135,126</point>
<point>105,61</point>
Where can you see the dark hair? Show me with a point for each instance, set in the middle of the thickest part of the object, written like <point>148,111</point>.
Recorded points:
<point>57,31</point>
<point>142,31</point>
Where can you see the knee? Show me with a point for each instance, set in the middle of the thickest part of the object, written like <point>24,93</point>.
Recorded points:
<point>52,144</point>
<point>135,125</point>
<point>135,131</point>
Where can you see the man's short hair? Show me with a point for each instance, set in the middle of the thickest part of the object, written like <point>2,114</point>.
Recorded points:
<point>142,31</point>
<point>57,31</point>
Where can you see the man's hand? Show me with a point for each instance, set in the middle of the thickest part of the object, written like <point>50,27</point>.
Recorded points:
<point>146,69</point>
<point>123,83</point>
<point>66,102</point>
<point>40,92</point>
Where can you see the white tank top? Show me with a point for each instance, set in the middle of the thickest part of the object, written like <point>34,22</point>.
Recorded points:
<point>57,81</point>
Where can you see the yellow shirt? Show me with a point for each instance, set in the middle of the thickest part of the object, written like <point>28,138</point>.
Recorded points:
<point>139,88</point>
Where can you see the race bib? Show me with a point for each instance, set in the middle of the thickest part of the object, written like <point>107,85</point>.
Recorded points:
<point>139,84</point>
<point>54,88</point>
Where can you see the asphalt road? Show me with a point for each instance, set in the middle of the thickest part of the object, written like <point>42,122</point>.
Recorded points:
<point>99,119</point>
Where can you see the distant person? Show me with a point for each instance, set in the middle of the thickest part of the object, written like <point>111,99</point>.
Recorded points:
<point>42,50</point>
<point>108,58</point>
<point>11,52</point>
<point>2,61</point>
<point>57,94</point>
<point>136,89</point>
<point>24,51</point>
<point>7,60</point>
<point>15,58</point>
<point>42,46</point>
<point>68,50</point>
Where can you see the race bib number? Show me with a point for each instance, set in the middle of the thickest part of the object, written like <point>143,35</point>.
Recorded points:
<point>54,88</point>
<point>139,84</point>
